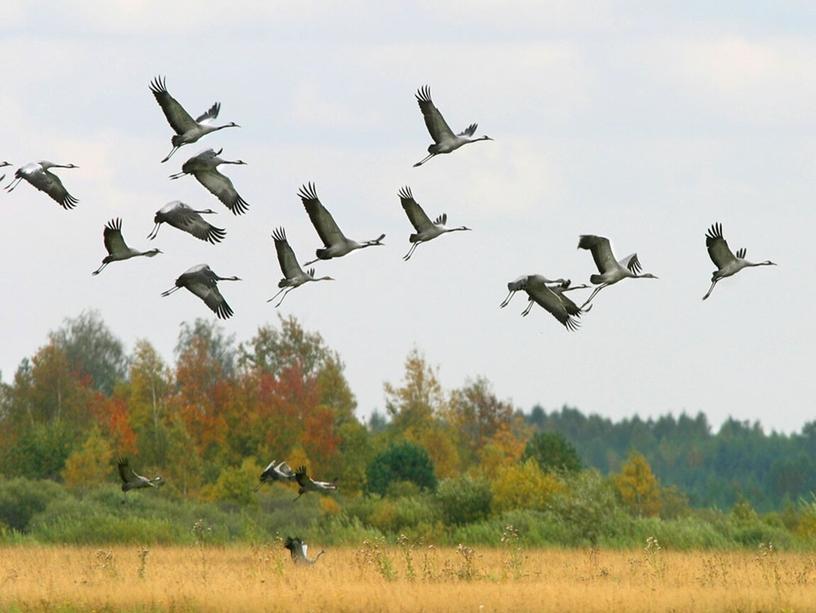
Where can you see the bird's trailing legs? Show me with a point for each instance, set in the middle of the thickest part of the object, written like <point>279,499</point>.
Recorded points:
<point>425,159</point>
<point>592,295</point>
<point>408,255</point>
<point>526,311</point>
<point>710,289</point>
<point>280,302</point>
<point>170,291</point>
<point>100,269</point>
<point>14,183</point>
<point>169,155</point>
<point>154,232</point>
<point>507,300</point>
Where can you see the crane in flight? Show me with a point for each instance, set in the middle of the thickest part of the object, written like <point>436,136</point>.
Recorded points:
<point>204,167</point>
<point>40,176</point>
<point>724,259</point>
<point>549,295</point>
<point>293,275</point>
<point>444,139</point>
<point>335,242</point>
<point>189,220</point>
<point>203,282</point>
<point>117,247</point>
<point>611,270</point>
<point>187,130</point>
<point>426,229</point>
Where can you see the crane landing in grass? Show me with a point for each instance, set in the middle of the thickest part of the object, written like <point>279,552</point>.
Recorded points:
<point>299,551</point>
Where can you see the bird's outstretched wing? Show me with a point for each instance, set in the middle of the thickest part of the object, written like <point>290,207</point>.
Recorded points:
<point>601,251</point>
<point>211,113</point>
<point>718,249</point>
<point>212,298</point>
<point>469,131</point>
<point>125,472</point>
<point>112,236</point>
<point>322,220</point>
<point>416,215</point>
<point>195,225</point>
<point>51,184</point>
<point>286,256</point>
<point>632,263</point>
<point>436,124</point>
<point>177,117</point>
<point>222,188</point>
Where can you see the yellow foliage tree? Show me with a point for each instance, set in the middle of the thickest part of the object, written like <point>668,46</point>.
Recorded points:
<point>502,449</point>
<point>638,487</point>
<point>91,463</point>
<point>523,486</point>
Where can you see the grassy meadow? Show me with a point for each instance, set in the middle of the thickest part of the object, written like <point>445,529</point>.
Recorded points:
<point>378,577</point>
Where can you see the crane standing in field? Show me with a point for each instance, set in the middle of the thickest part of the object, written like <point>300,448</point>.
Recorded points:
<point>299,550</point>
<point>724,259</point>
<point>426,229</point>
<point>40,176</point>
<point>204,167</point>
<point>336,244</point>
<point>445,140</point>
<point>293,274</point>
<point>203,282</point>
<point>188,130</point>
<point>611,269</point>
<point>116,246</point>
<point>133,481</point>
<point>548,294</point>
<point>189,220</point>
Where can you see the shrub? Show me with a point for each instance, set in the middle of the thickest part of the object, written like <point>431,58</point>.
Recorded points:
<point>400,462</point>
<point>21,499</point>
<point>523,486</point>
<point>552,452</point>
<point>464,500</point>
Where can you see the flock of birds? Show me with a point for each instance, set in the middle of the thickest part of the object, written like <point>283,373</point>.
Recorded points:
<point>275,471</point>
<point>202,281</point>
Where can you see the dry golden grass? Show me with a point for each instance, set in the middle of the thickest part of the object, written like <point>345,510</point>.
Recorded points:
<point>372,578</point>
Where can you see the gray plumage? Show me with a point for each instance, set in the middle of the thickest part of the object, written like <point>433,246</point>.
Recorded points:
<point>549,295</point>
<point>426,229</point>
<point>40,176</point>
<point>444,139</point>
<point>187,130</point>
<point>724,259</point>
<point>336,243</point>
<point>307,484</point>
<point>203,282</point>
<point>133,481</point>
<point>293,275</point>
<point>116,246</point>
<point>204,167</point>
<point>189,220</point>
<point>611,270</point>
<point>299,551</point>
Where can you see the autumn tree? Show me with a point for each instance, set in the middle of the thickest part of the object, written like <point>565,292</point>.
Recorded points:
<point>638,487</point>
<point>415,404</point>
<point>524,486</point>
<point>90,464</point>
<point>477,414</point>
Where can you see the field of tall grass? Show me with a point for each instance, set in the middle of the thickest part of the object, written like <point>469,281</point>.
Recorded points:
<point>406,576</point>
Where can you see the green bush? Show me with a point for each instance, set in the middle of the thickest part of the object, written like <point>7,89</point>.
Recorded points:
<point>464,500</point>
<point>21,499</point>
<point>552,452</point>
<point>400,462</point>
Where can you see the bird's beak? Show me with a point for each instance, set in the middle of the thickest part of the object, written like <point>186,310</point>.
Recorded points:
<point>466,228</point>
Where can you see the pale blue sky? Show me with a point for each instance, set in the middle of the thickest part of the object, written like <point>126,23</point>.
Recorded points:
<point>609,118</point>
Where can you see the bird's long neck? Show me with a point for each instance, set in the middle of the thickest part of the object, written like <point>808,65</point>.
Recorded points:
<point>459,229</point>
<point>217,278</point>
<point>226,125</point>
<point>747,263</point>
<point>372,243</point>
<point>317,557</point>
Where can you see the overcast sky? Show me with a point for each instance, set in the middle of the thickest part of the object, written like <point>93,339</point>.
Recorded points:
<point>608,119</point>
